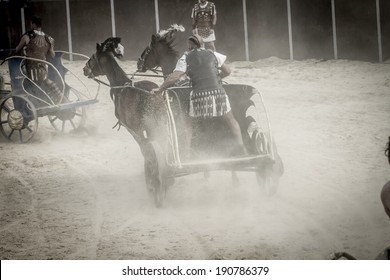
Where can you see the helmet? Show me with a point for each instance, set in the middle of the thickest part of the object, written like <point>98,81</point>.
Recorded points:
<point>196,39</point>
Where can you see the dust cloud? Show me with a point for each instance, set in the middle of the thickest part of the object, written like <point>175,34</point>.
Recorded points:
<point>83,195</point>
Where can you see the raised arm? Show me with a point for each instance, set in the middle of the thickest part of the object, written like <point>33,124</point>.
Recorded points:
<point>51,48</point>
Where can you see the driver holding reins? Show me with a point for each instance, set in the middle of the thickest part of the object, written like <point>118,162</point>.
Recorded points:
<point>208,98</point>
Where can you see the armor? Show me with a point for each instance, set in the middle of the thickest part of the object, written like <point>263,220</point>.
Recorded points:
<point>39,44</point>
<point>208,98</point>
<point>38,47</point>
<point>202,68</point>
<point>203,18</point>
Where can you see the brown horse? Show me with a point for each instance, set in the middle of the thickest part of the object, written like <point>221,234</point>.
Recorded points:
<point>160,52</point>
<point>142,114</point>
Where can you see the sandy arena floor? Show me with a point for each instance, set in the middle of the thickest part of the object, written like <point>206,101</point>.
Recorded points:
<point>83,196</point>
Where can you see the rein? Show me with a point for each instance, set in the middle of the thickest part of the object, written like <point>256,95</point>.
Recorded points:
<point>118,87</point>
<point>146,75</point>
<point>122,87</point>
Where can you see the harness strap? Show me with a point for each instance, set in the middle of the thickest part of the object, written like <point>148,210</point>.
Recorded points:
<point>121,87</point>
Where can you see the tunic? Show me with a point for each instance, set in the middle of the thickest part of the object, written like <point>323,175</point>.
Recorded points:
<point>38,47</point>
<point>203,16</point>
<point>208,98</point>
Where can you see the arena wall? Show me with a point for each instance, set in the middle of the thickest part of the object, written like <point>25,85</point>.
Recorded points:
<point>267,26</point>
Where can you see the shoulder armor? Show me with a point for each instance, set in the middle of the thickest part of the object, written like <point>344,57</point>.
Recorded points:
<point>31,34</point>
<point>48,38</point>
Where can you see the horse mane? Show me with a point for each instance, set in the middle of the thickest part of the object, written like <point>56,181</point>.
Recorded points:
<point>171,30</point>
<point>161,51</point>
<point>166,36</point>
<point>118,71</point>
<point>170,46</point>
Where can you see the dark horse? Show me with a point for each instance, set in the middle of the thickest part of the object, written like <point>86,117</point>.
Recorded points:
<point>141,113</point>
<point>160,52</point>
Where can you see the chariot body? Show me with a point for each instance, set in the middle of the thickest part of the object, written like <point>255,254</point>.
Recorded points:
<point>212,143</point>
<point>23,101</point>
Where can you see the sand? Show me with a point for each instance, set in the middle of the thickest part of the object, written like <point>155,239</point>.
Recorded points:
<point>83,195</point>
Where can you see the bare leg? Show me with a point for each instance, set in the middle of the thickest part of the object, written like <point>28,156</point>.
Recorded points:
<point>234,127</point>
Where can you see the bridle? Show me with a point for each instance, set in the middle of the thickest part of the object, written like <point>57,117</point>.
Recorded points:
<point>96,62</point>
<point>117,52</point>
<point>142,61</point>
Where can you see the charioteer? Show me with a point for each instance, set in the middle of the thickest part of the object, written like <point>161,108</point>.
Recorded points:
<point>208,98</point>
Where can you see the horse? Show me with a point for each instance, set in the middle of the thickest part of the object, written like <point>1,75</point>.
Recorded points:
<point>141,113</point>
<point>161,52</point>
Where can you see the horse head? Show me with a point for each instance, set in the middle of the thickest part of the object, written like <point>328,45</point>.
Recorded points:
<point>160,51</point>
<point>105,52</point>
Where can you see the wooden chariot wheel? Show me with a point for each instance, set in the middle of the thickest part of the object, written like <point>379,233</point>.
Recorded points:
<point>269,172</point>
<point>18,118</point>
<point>155,172</point>
<point>69,119</point>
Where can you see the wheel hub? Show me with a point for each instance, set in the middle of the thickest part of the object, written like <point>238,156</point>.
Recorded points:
<point>66,114</point>
<point>15,120</point>
<point>260,142</point>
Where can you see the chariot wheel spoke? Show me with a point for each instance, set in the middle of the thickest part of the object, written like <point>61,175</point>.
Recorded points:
<point>10,135</point>
<point>155,172</point>
<point>75,116</point>
<point>29,129</point>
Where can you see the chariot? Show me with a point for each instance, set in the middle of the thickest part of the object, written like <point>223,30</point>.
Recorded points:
<point>173,143</point>
<point>212,143</point>
<point>25,101</point>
